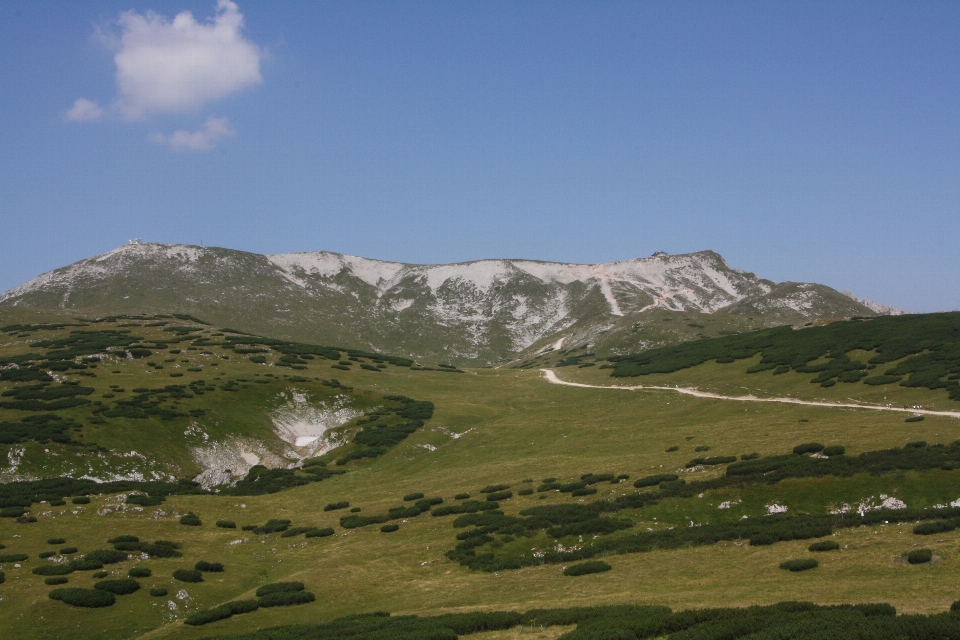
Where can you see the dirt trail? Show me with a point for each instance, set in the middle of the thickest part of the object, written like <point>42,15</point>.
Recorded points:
<point>552,378</point>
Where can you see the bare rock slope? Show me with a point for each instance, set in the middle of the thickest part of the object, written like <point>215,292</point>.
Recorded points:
<point>480,312</point>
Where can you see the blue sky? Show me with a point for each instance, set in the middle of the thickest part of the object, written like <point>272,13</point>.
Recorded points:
<point>802,141</point>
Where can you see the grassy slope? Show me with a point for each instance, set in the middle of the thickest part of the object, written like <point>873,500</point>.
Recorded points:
<point>516,427</point>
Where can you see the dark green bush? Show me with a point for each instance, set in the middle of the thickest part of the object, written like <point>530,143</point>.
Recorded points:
<point>920,556</point>
<point>54,569</point>
<point>918,418</point>
<point>210,567</point>
<point>158,592</point>
<point>319,533</point>
<point>56,580</point>
<point>583,491</point>
<point>295,531</point>
<point>91,598</point>
<point>116,539</point>
<point>410,497</point>
<point>13,557</point>
<point>651,481</point>
<point>835,450</point>
<point>824,545</point>
<point>139,572</point>
<point>279,587</point>
<point>702,447</point>
<point>210,615</point>
<point>243,606</point>
<point>106,556</point>
<point>191,520</point>
<point>80,500</point>
<point>333,506</point>
<point>355,510</point>
<point>97,575</point>
<point>226,524</point>
<point>274,525</point>
<point>286,599</point>
<point>809,447</point>
<point>3,577</point>
<point>583,568</point>
<point>494,488</point>
<point>750,456</point>
<point>801,564</point>
<point>85,564</point>
<point>120,587</point>
<point>462,496</point>
<point>525,492</point>
<point>12,512</point>
<point>673,448</point>
<point>56,540</point>
<point>188,575</point>
<point>389,528</point>
<point>499,495</point>
<point>937,526</point>
<point>66,551</point>
<point>43,555</point>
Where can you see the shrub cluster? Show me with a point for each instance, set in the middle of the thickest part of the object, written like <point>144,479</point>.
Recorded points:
<point>226,524</point>
<point>191,520</point>
<point>652,481</point>
<point>209,567</point>
<point>333,506</point>
<point>90,598</point>
<point>802,564</point>
<point>591,566</point>
<point>824,545</point>
<point>120,587</point>
<point>188,575</point>
<point>222,612</point>
<point>920,556</point>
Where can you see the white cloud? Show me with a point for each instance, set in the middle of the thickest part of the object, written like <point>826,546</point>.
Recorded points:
<point>178,66</point>
<point>206,138</point>
<point>84,110</point>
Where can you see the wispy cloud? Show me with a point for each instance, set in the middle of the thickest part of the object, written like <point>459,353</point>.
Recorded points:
<point>206,138</point>
<point>84,110</point>
<point>178,66</point>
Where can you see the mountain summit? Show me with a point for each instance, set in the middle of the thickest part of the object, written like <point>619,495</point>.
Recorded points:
<point>483,311</point>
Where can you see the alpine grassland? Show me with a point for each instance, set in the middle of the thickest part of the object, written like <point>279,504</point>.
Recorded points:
<point>223,483</point>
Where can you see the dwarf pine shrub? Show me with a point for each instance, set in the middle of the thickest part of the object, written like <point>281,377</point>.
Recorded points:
<point>824,545</point>
<point>55,580</point>
<point>652,481</point>
<point>226,524</point>
<point>802,564</point>
<point>191,520</point>
<point>120,586</point>
<point>77,597</point>
<point>209,567</point>
<point>56,540</point>
<point>583,568</point>
<point>277,587</point>
<point>188,575</point>
<point>158,592</point>
<point>66,551</point>
<point>920,556</point>
<point>333,506</point>
<point>389,528</point>
<point>410,497</point>
<point>139,572</point>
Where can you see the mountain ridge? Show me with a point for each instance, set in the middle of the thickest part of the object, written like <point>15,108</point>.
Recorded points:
<point>481,311</point>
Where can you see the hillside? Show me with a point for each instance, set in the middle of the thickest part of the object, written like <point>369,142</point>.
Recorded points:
<point>481,313</point>
<point>435,491</point>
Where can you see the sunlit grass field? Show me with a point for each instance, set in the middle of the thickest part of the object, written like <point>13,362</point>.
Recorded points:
<point>490,427</point>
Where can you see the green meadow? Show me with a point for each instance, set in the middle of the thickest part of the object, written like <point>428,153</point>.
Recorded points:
<point>489,427</point>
